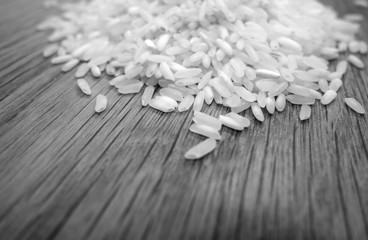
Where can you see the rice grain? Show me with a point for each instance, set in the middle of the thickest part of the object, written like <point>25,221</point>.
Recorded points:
<point>161,105</point>
<point>355,105</point>
<point>205,130</point>
<point>257,112</point>
<point>186,103</point>
<point>147,95</point>
<point>305,112</point>
<point>201,149</point>
<point>231,123</point>
<point>84,86</point>
<point>328,97</point>
<point>355,61</point>
<point>101,103</point>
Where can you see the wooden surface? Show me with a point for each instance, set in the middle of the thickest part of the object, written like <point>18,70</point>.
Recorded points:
<point>68,173</point>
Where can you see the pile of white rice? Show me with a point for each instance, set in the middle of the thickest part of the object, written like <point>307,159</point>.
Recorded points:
<point>242,54</point>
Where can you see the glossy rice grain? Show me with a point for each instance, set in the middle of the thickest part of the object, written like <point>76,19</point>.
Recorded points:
<point>355,105</point>
<point>200,150</point>
<point>101,103</point>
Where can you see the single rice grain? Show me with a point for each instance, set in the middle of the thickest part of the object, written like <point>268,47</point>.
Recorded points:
<point>355,105</point>
<point>355,61</point>
<point>328,97</point>
<point>257,112</point>
<point>200,150</point>
<point>186,103</point>
<point>84,86</point>
<point>101,103</point>
<point>205,130</point>
<point>147,95</point>
<point>305,112</point>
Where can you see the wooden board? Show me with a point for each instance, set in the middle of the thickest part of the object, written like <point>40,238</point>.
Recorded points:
<point>69,173</point>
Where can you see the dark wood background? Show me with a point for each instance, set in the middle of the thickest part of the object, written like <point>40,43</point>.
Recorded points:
<point>69,173</point>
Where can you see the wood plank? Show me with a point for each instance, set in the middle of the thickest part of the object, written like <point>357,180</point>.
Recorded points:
<point>69,173</point>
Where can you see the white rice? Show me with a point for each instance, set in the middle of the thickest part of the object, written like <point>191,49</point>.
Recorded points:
<point>355,105</point>
<point>101,103</point>
<point>82,70</point>
<point>257,112</point>
<point>196,57</point>
<point>278,89</point>
<point>84,86</point>
<point>151,69</point>
<point>245,94</point>
<point>219,85</point>
<point>172,93</point>
<point>188,73</point>
<point>238,67</point>
<point>201,149</point>
<point>334,75</point>
<point>253,55</point>
<point>205,119</point>
<point>232,101</point>
<point>239,55</point>
<point>299,90</point>
<point>125,82</point>
<point>355,61</point>
<point>342,67</point>
<point>147,95</point>
<point>328,97</point>
<point>243,121</point>
<point>208,95</point>
<point>130,88</point>
<point>265,73</point>
<point>206,61</point>
<point>133,72</point>
<point>270,105</point>
<point>70,65</point>
<point>300,100</point>
<point>167,100</point>
<point>289,44</point>
<point>117,80</point>
<point>205,80</point>
<point>198,101</point>
<point>225,46</point>
<point>261,99</point>
<point>323,85</point>
<point>186,103</point>
<point>281,102</point>
<point>166,71</point>
<point>335,84</point>
<point>266,85</point>
<point>231,123</point>
<point>162,42</point>
<point>305,112</point>
<point>96,72</point>
<point>161,105</point>
<point>250,73</point>
<point>205,130</point>
<point>242,107</point>
<point>176,67</point>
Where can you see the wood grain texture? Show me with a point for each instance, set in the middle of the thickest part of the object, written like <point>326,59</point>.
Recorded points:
<point>69,173</point>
